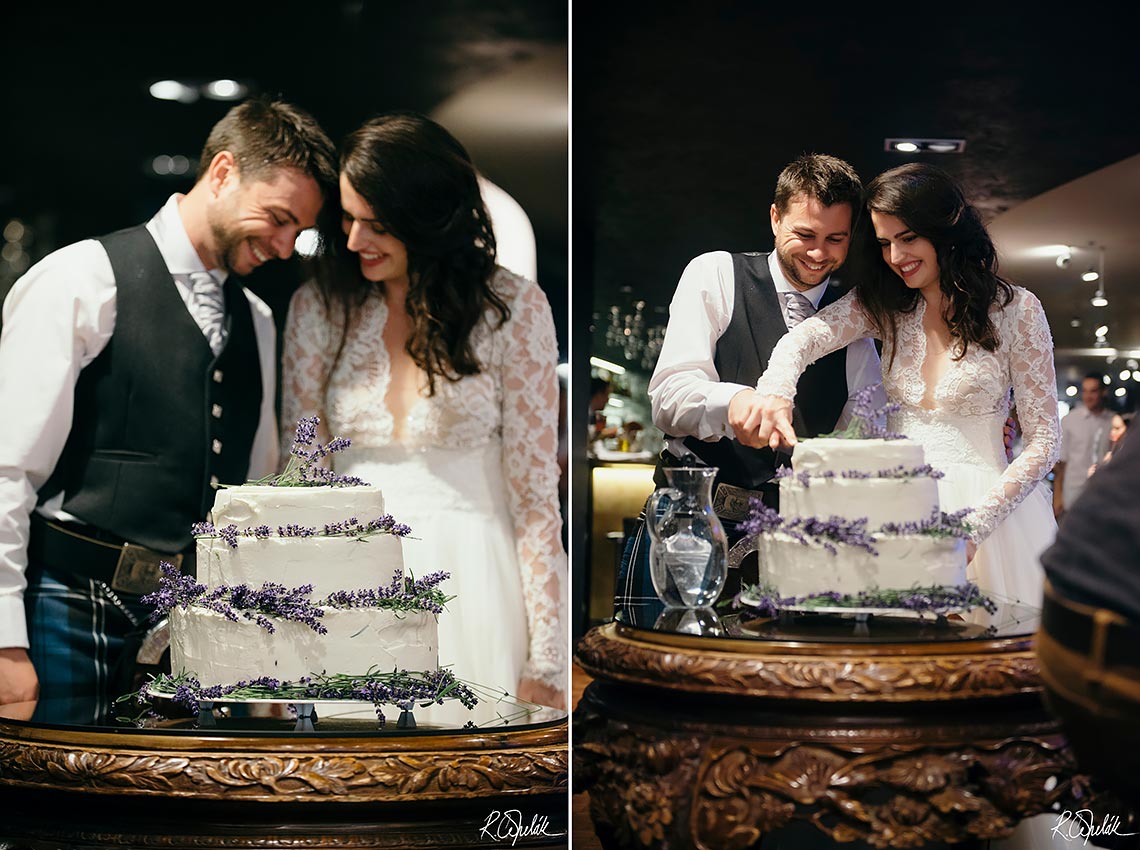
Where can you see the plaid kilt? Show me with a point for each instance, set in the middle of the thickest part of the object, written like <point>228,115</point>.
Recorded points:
<point>84,638</point>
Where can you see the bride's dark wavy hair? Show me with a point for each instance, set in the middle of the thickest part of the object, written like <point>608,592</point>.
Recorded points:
<point>929,202</point>
<point>422,187</point>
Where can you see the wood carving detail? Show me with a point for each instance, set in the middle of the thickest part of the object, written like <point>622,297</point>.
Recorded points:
<point>822,678</point>
<point>931,796</point>
<point>374,777</point>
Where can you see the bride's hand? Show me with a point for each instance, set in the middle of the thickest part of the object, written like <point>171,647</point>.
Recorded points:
<point>761,421</point>
<point>533,690</point>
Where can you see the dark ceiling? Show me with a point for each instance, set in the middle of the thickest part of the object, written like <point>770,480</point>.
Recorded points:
<point>683,118</point>
<point>79,125</point>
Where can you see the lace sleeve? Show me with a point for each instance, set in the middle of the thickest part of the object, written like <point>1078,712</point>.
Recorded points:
<point>833,327</point>
<point>305,362</point>
<point>1034,380</point>
<point>530,467</point>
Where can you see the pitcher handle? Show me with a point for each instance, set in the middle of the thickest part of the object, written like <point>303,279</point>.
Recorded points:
<point>651,520</point>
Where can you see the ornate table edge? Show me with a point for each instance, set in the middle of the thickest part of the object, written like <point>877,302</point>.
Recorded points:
<point>815,672</point>
<point>351,770</point>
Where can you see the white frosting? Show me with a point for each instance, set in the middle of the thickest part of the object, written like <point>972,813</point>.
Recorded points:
<point>879,500</point>
<point>821,454</point>
<point>328,563</point>
<point>221,652</point>
<point>254,504</point>
<point>797,569</point>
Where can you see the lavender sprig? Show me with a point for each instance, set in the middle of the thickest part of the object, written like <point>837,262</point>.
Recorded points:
<point>304,468</point>
<point>236,602</point>
<point>825,532</point>
<point>401,688</point>
<point>867,421</point>
<point>938,524</point>
<point>894,473</point>
<point>937,599</point>
<point>351,527</point>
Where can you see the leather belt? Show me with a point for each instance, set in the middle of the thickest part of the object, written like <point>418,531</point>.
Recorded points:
<point>1106,637</point>
<point>126,567</point>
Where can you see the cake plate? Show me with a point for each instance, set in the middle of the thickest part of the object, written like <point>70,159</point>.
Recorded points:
<point>306,711</point>
<point>860,613</point>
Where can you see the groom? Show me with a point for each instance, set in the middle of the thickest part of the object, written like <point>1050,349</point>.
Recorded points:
<point>727,314</point>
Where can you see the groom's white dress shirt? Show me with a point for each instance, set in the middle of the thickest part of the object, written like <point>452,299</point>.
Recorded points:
<point>687,396</point>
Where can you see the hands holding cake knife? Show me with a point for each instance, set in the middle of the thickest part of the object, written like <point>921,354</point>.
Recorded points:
<point>762,421</point>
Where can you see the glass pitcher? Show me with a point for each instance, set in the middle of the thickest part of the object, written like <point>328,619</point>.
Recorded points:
<point>688,551</point>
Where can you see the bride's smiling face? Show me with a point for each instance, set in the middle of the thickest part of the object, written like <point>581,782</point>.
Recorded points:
<point>912,257</point>
<point>383,257</point>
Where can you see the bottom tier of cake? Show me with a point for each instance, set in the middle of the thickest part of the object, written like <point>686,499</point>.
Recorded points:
<point>793,568</point>
<point>218,651</point>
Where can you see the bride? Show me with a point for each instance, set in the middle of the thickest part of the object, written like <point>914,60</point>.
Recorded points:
<point>956,339</point>
<point>440,367</point>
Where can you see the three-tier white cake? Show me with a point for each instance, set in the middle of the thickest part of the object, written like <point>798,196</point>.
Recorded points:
<point>359,640</point>
<point>836,481</point>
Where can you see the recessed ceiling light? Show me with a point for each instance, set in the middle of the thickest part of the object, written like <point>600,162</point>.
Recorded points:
<point>1070,391</point>
<point>225,90</point>
<point>173,90</point>
<point>912,145</point>
<point>1102,330</point>
<point>1120,391</point>
<point>1074,322</point>
<point>1125,374</point>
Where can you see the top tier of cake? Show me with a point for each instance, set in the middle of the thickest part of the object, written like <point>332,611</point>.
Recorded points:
<point>883,481</point>
<point>329,563</point>
<point>254,504</point>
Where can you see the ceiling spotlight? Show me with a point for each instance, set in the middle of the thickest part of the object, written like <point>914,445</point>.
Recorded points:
<point>1070,391</point>
<point>1120,391</point>
<point>1102,330</point>
<point>225,90</point>
<point>909,145</point>
<point>173,90</point>
<point>1074,322</point>
<point>1125,374</point>
<point>1064,258</point>
<point>1098,299</point>
<point>1091,275</point>
<point>1135,375</point>
<point>1132,364</point>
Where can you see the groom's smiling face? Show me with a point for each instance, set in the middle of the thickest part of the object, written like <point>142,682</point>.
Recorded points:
<point>811,239</point>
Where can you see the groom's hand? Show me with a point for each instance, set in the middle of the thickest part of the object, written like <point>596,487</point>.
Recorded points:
<point>761,421</point>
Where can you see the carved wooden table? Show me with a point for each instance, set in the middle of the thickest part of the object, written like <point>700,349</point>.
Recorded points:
<point>346,786</point>
<point>892,732</point>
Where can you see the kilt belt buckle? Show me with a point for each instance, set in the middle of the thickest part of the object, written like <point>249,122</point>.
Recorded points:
<point>138,569</point>
<point>732,503</point>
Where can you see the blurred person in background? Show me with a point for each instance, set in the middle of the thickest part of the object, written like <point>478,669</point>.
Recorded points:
<point>1084,440</point>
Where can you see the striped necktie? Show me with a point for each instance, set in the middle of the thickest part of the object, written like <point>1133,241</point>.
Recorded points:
<point>799,308</point>
<point>208,307</point>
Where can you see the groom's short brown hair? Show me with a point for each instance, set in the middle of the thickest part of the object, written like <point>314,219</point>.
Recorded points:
<point>828,179</point>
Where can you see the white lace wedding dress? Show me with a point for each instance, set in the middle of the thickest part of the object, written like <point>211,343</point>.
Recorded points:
<point>475,475</point>
<point>959,423</point>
